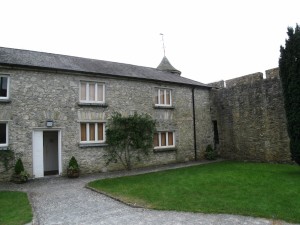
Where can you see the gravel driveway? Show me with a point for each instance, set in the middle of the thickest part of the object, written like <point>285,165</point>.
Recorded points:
<point>59,200</point>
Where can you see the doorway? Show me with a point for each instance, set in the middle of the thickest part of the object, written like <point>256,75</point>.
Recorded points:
<point>216,133</point>
<point>50,145</point>
<point>46,153</point>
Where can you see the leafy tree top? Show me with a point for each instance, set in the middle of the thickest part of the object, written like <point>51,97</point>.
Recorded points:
<point>135,131</point>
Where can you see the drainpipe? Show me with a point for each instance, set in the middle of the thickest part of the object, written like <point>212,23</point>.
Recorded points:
<point>194,123</point>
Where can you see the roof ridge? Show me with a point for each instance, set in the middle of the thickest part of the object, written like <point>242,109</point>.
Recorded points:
<point>78,57</point>
<point>37,59</point>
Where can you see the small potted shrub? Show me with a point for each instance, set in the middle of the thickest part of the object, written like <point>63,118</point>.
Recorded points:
<point>20,175</point>
<point>73,168</point>
<point>210,153</point>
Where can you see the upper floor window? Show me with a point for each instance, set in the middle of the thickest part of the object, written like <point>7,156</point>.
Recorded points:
<point>3,134</point>
<point>163,97</point>
<point>164,139</point>
<point>4,87</point>
<point>92,92</point>
<point>92,132</point>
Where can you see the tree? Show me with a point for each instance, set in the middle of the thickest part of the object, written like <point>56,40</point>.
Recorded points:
<point>129,137</point>
<point>289,66</point>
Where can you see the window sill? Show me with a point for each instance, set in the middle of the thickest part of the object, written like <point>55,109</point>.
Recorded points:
<point>103,105</point>
<point>171,149</point>
<point>163,107</point>
<point>5,100</point>
<point>91,145</point>
<point>4,148</point>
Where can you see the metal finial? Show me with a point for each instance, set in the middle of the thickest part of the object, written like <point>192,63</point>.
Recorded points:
<point>162,38</point>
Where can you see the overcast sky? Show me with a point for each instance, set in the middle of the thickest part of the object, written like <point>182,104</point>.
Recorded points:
<point>206,40</point>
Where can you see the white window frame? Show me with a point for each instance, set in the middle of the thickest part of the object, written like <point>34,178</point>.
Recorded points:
<point>6,142</point>
<point>87,92</point>
<point>96,133</point>
<point>159,90</point>
<point>8,86</point>
<point>167,140</point>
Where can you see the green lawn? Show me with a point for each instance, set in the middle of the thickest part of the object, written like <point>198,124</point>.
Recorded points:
<point>252,189</point>
<point>14,208</point>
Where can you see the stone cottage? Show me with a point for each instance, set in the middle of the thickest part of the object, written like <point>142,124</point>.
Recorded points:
<point>53,107</point>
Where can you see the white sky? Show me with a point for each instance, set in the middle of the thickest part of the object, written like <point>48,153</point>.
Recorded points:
<point>206,40</point>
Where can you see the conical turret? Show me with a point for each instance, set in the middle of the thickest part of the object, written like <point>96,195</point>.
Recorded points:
<point>165,65</point>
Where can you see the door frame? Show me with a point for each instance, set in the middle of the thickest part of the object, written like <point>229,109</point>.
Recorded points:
<point>59,149</point>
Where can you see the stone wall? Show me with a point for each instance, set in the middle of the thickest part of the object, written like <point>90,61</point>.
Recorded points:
<point>251,118</point>
<point>204,128</point>
<point>40,95</point>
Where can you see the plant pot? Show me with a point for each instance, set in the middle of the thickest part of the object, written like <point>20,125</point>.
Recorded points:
<point>71,173</point>
<point>18,179</point>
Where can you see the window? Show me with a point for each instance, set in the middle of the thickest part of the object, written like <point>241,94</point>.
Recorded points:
<point>92,132</point>
<point>163,97</point>
<point>92,92</point>
<point>3,134</point>
<point>164,139</point>
<point>4,87</point>
<point>216,133</point>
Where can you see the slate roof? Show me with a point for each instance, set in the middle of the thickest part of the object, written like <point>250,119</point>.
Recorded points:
<point>33,59</point>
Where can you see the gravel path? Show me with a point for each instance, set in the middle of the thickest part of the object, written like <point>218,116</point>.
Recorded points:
<point>59,200</point>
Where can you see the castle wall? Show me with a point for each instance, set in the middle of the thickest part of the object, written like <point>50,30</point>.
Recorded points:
<point>251,118</point>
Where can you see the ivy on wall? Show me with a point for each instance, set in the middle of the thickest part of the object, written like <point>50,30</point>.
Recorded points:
<point>7,158</point>
<point>128,138</point>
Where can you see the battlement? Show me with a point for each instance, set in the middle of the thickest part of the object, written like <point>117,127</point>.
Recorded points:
<point>272,73</point>
<point>251,118</point>
<point>247,79</point>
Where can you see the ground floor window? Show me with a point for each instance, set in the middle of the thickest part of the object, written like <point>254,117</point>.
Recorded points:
<point>92,132</point>
<point>3,134</point>
<point>164,139</point>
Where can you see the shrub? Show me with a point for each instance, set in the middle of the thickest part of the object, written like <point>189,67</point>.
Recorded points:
<point>129,138</point>
<point>73,168</point>
<point>73,165</point>
<point>210,153</point>
<point>19,167</point>
<point>24,176</point>
<point>20,176</point>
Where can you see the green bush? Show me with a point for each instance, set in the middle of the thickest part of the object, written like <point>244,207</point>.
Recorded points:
<point>210,153</point>
<point>19,167</point>
<point>73,165</point>
<point>129,138</point>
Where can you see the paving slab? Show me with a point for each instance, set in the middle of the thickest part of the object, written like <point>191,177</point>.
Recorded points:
<point>59,200</point>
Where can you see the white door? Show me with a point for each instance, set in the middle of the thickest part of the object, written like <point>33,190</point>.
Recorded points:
<point>38,154</point>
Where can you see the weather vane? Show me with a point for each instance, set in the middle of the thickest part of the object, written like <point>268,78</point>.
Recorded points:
<point>162,38</point>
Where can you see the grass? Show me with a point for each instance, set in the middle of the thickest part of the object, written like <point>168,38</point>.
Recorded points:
<point>14,208</point>
<point>251,189</point>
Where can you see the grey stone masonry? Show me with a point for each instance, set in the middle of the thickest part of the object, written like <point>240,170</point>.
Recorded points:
<point>251,118</point>
<point>38,95</point>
